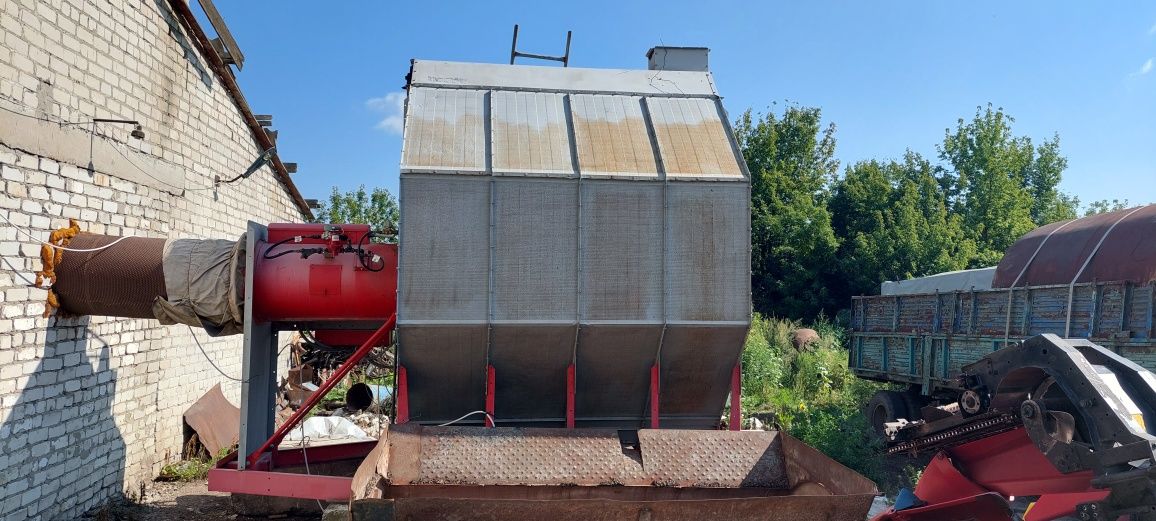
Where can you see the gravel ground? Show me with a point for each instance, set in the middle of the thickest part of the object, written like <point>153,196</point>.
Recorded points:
<point>183,500</point>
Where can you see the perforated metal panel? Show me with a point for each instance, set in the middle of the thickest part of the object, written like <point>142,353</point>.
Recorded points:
<point>708,252</point>
<point>445,237</point>
<point>535,244</point>
<point>622,251</point>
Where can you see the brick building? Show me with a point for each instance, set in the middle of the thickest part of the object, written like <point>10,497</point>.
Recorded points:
<point>91,407</point>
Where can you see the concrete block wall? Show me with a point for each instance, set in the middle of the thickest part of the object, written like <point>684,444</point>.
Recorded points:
<point>91,407</point>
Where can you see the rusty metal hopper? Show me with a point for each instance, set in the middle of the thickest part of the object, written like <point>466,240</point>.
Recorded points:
<point>418,472</point>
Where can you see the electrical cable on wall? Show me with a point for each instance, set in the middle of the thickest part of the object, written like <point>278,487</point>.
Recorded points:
<point>62,248</point>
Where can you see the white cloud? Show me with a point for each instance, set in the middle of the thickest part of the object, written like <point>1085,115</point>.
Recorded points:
<point>392,105</point>
<point>1152,30</point>
<point>1146,68</point>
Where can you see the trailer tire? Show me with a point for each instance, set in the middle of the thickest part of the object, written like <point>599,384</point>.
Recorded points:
<point>885,406</point>
<point>914,403</point>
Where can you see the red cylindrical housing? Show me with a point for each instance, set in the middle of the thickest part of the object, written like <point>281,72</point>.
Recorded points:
<point>344,278</point>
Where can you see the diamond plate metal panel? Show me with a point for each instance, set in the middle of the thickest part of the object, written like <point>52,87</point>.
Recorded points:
<point>692,138</point>
<point>518,456</point>
<point>530,133</point>
<point>713,459</point>
<point>444,131</point>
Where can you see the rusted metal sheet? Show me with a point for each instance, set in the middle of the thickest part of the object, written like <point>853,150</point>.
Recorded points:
<point>215,420</point>
<point>445,131</point>
<point>1121,244</point>
<point>508,456</point>
<point>503,473</point>
<point>693,139</point>
<point>611,136</point>
<point>530,133</point>
<point>708,459</point>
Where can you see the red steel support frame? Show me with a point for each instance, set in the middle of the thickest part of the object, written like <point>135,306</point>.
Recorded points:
<point>402,396</point>
<point>736,419</point>
<point>654,373</point>
<point>376,338</point>
<point>490,398</point>
<point>570,376</point>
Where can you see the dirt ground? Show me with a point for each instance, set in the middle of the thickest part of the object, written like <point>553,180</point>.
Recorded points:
<point>165,501</point>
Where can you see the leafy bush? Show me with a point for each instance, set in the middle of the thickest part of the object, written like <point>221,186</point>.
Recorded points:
<point>811,393</point>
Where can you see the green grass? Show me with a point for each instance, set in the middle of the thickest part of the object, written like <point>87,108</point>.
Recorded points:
<point>811,394</point>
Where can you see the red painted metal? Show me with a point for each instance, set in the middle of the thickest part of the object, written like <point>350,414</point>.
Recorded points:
<point>570,384</point>
<point>326,386</point>
<point>490,395</point>
<point>654,411</point>
<point>736,419</point>
<point>1009,463</point>
<point>324,286</point>
<point>321,453</point>
<point>402,396</point>
<point>284,484</point>
<point>345,337</point>
<point>965,482</point>
<point>984,507</point>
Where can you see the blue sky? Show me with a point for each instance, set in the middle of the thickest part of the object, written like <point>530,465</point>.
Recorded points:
<point>890,75</point>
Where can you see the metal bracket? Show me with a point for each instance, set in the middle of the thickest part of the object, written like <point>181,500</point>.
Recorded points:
<point>514,52</point>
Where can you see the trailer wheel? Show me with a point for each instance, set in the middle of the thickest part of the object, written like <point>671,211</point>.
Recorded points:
<point>885,406</point>
<point>914,403</point>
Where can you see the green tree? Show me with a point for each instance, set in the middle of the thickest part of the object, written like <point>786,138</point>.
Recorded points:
<point>893,222</point>
<point>1105,206</point>
<point>791,160</point>
<point>1001,184</point>
<point>378,208</point>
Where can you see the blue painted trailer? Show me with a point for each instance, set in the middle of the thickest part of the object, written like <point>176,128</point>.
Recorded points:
<point>924,339</point>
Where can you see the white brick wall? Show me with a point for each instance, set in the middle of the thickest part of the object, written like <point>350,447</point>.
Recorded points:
<point>91,407</point>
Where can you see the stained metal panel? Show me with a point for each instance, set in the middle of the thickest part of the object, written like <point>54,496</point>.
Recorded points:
<point>708,262</point>
<point>536,237</point>
<point>530,133</point>
<point>445,231</point>
<point>695,368</point>
<point>622,226</point>
<point>614,393</point>
<point>693,139</point>
<point>444,131</point>
<point>445,370</point>
<point>561,79</point>
<point>611,136</point>
<point>530,364</point>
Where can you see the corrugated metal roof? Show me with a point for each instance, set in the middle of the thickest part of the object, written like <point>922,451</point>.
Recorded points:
<point>692,138</point>
<point>611,135</point>
<point>445,131</point>
<point>530,133</point>
<point>529,120</point>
